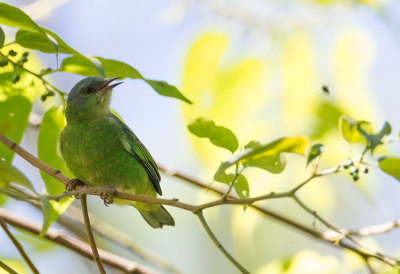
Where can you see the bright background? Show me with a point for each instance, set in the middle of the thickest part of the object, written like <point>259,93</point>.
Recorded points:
<point>256,67</point>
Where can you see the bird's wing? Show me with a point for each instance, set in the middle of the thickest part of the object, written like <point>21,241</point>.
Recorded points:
<point>133,145</point>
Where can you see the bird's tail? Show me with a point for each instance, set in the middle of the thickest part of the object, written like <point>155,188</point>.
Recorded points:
<point>156,215</point>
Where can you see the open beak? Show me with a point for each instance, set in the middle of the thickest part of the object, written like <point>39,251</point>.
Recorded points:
<point>106,86</point>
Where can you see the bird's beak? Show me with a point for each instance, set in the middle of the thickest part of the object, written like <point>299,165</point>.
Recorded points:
<point>106,85</point>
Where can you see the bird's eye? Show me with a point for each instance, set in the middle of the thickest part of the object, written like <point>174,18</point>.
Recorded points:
<point>88,90</point>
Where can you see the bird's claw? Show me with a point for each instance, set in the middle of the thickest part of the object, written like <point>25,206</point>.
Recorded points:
<point>108,196</point>
<point>73,184</point>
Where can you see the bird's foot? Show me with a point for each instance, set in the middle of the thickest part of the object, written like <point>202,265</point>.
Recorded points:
<point>73,184</point>
<point>108,195</point>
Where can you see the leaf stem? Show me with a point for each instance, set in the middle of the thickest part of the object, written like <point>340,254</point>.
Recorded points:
<point>225,196</point>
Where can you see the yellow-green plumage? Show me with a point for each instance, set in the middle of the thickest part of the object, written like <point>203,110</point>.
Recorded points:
<point>101,150</point>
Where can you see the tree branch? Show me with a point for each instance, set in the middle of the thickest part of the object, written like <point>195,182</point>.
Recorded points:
<point>375,229</point>
<point>19,247</point>
<point>59,237</point>
<point>233,200</point>
<point>89,232</point>
<point>207,228</point>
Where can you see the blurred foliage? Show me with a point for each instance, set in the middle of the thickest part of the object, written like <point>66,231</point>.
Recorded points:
<point>15,264</point>
<point>260,98</point>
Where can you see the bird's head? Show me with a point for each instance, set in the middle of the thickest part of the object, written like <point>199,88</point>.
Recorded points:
<point>90,97</point>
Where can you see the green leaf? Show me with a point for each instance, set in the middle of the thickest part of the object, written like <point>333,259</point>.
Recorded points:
<point>291,144</point>
<point>52,124</point>
<point>37,41</point>
<point>241,187</point>
<point>14,112</point>
<point>390,166</point>
<point>255,154</point>
<point>315,151</point>
<point>349,129</point>
<point>2,37</point>
<point>375,139</point>
<point>9,174</point>
<point>221,176</point>
<point>79,64</point>
<point>165,89</point>
<point>14,17</point>
<point>219,136</point>
<point>114,68</point>
<point>275,163</point>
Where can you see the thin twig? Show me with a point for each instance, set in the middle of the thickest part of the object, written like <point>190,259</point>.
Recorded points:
<point>60,237</point>
<point>323,221</point>
<point>375,229</point>
<point>19,247</point>
<point>218,244</point>
<point>7,268</point>
<point>228,192</point>
<point>89,232</point>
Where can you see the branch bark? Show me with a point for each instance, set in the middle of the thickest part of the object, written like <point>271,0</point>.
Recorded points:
<point>59,237</point>
<point>19,247</point>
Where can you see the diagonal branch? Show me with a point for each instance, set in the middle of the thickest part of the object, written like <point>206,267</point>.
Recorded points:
<point>7,268</point>
<point>19,247</point>
<point>59,237</point>
<point>207,228</point>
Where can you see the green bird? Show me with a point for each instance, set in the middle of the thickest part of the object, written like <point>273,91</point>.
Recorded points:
<point>100,150</point>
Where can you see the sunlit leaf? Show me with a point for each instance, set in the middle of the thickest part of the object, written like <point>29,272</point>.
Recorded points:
<point>52,124</point>
<point>218,135</point>
<point>8,174</point>
<point>241,187</point>
<point>390,166</point>
<point>375,139</point>
<point>80,65</point>
<point>349,129</point>
<point>36,41</point>
<point>14,112</point>
<point>275,163</point>
<point>112,68</point>
<point>2,37</point>
<point>14,17</point>
<point>291,144</point>
<point>315,151</point>
<point>165,89</point>
<point>221,176</point>
<point>256,152</point>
